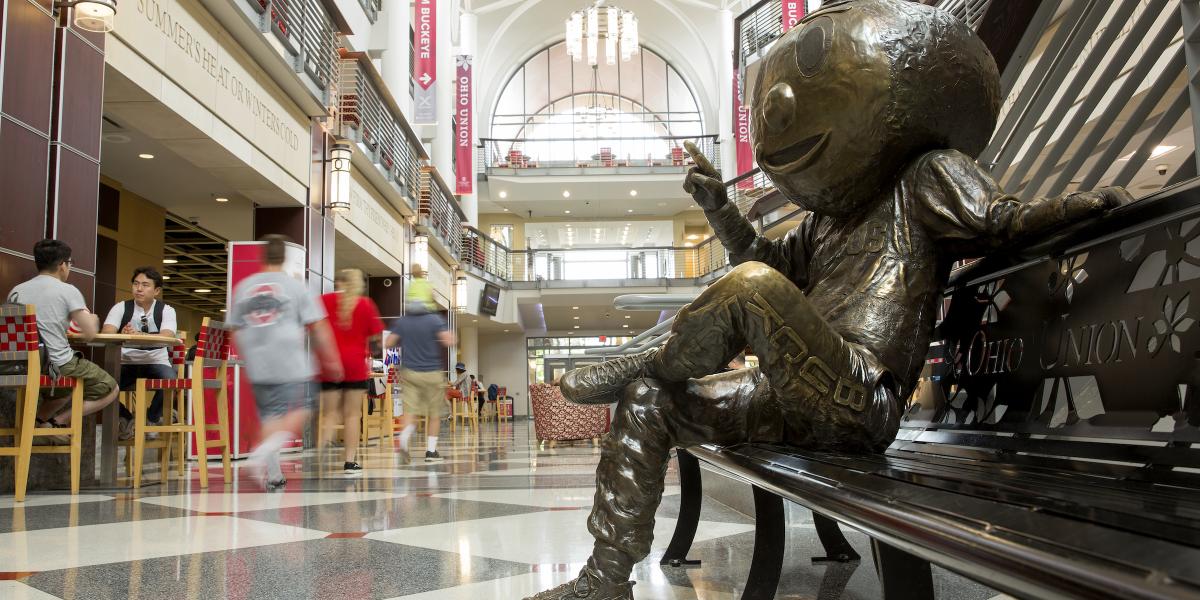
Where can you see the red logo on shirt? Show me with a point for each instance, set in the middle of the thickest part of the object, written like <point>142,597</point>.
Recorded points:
<point>262,305</point>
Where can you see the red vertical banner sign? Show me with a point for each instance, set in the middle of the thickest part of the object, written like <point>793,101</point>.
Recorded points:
<point>741,129</point>
<point>793,11</point>
<point>464,166</point>
<point>425,65</point>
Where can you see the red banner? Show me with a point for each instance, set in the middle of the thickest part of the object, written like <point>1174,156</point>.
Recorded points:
<point>793,11</point>
<point>741,130</point>
<point>464,165</point>
<point>425,65</point>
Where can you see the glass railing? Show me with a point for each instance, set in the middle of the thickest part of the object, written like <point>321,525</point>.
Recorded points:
<point>370,116</point>
<point>306,31</point>
<point>484,254</point>
<point>596,264</point>
<point>505,155</point>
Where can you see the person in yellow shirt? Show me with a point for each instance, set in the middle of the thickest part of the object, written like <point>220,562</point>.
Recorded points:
<point>418,299</point>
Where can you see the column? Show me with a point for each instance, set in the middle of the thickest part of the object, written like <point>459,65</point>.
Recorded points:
<point>53,81</point>
<point>443,142</point>
<point>725,97</point>
<point>396,59</point>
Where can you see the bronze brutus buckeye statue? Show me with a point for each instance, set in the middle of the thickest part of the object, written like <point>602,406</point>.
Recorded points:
<point>868,115</point>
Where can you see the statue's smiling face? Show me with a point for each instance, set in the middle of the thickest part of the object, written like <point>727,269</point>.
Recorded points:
<point>820,108</point>
<point>856,89</point>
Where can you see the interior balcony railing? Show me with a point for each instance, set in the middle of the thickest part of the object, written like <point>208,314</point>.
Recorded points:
<point>306,31</point>
<point>756,28</point>
<point>372,8</point>
<point>588,156</point>
<point>484,255</point>
<point>438,213</point>
<point>605,264</point>
<point>749,191</point>
<point>712,260</point>
<point>368,115</point>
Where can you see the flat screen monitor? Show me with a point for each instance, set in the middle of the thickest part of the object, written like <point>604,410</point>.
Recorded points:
<point>489,300</point>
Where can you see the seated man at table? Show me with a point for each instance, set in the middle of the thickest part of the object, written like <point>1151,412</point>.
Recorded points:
<point>143,315</point>
<point>58,304</point>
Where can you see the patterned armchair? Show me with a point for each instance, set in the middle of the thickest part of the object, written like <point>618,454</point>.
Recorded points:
<point>556,419</point>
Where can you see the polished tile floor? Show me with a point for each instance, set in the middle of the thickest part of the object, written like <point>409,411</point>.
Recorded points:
<point>500,518</point>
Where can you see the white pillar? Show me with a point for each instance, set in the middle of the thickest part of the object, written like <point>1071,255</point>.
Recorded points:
<point>443,141</point>
<point>725,97</point>
<point>468,344</point>
<point>395,69</point>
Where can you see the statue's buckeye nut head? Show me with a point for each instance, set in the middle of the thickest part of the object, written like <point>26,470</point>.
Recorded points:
<point>860,88</point>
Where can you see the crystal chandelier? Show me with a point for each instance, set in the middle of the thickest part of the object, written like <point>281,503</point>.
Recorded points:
<point>618,27</point>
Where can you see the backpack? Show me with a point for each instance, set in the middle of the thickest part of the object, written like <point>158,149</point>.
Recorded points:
<point>493,391</point>
<point>159,305</point>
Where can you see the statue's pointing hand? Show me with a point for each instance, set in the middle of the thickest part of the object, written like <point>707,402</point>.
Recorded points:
<point>703,181</point>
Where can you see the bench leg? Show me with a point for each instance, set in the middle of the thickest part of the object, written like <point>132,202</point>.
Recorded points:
<point>691,490</point>
<point>901,575</point>
<point>767,562</point>
<point>837,549</point>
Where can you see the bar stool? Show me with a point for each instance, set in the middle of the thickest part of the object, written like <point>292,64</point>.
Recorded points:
<point>138,405</point>
<point>383,419</point>
<point>212,355</point>
<point>19,346</point>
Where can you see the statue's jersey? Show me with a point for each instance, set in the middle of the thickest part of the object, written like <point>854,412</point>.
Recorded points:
<point>877,277</point>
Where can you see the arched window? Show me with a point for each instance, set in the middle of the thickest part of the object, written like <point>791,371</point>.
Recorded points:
<point>556,109</point>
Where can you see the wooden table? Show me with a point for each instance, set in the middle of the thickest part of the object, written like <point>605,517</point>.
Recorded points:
<point>112,364</point>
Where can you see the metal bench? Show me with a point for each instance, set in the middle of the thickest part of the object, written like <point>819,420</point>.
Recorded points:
<point>1050,450</point>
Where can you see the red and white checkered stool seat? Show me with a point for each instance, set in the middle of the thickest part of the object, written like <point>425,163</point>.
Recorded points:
<point>176,384</point>
<point>47,381</point>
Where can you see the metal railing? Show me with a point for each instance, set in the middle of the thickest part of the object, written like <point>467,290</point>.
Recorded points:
<point>756,28</point>
<point>372,8</point>
<point>711,257</point>
<point>615,152</point>
<point>370,117</point>
<point>747,189</point>
<point>306,30</point>
<point>482,252</point>
<point>605,263</point>
<point>439,212</point>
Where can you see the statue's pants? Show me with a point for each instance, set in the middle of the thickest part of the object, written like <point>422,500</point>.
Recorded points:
<point>814,390</point>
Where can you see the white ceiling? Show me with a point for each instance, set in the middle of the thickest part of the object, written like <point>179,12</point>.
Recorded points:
<point>596,197</point>
<point>591,234</point>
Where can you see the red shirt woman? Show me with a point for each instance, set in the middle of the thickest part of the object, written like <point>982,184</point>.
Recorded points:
<point>355,322</point>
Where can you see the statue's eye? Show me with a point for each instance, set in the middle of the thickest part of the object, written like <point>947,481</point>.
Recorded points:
<point>813,46</point>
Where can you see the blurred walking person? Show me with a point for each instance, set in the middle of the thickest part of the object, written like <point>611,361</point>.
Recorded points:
<point>356,325</point>
<point>272,314</point>
<point>423,339</point>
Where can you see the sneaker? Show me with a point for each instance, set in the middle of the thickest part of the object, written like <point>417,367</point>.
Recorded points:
<point>405,457</point>
<point>600,383</point>
<point>125,429</point>
<point>352,468</point>
<point>274,485</point>
<point>587,587</point>
<point>432,456</point>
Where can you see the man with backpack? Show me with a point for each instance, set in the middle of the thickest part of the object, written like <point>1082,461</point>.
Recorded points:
<point>144,314</point>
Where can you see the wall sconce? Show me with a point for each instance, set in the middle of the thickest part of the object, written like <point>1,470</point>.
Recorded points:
<point>460,293</point>
<point>420,252</point>
<point>339,177</point>
<point>92,15</point>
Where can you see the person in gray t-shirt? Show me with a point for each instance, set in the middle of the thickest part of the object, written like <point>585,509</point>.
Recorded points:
<point>273,314</point>
<point>58,303</point>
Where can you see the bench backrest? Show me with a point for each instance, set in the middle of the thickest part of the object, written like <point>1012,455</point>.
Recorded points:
<point>1083,346</point>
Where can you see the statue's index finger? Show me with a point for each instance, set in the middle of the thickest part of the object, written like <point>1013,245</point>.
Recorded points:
<point>702,163</point>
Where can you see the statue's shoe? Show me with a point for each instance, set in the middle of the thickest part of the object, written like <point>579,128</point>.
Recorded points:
<point>587,587</point>
<point>602,382</point>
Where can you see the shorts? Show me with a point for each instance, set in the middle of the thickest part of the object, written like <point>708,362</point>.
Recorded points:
<point>278,399</point>
<point>424,392</point>
<point>345,385</point>
<point>97,383</point>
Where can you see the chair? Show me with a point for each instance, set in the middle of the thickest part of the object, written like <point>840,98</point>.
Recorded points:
<point>463,409</point>
<point>382,420</point>
<point>212,356</point>
<point>19,347</point>
<point>172,403</point>
<point>556,419</point>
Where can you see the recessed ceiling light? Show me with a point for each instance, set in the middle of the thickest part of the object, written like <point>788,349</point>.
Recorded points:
<point>625,326</point>
<point>202,290</point>
<point>169,261</point>
<point>222,310</point>
<point>146,156</point>
<point>576,318</point>
<point>574,308</point>
<point>693,236</point>
<point>570,333</point>
<point>503,194</point>
<point>166,277</point>
<point>474,320</point>
<point>632,192</point>
<point>1157,152</point>
<point>221,199</point>
<point>566,193</point>
<point>566,212</point>
<point>576,327</point>
<point>505,331</point>
<point>628,316</point>
<point>506,210</point>
<point>629,210</point>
